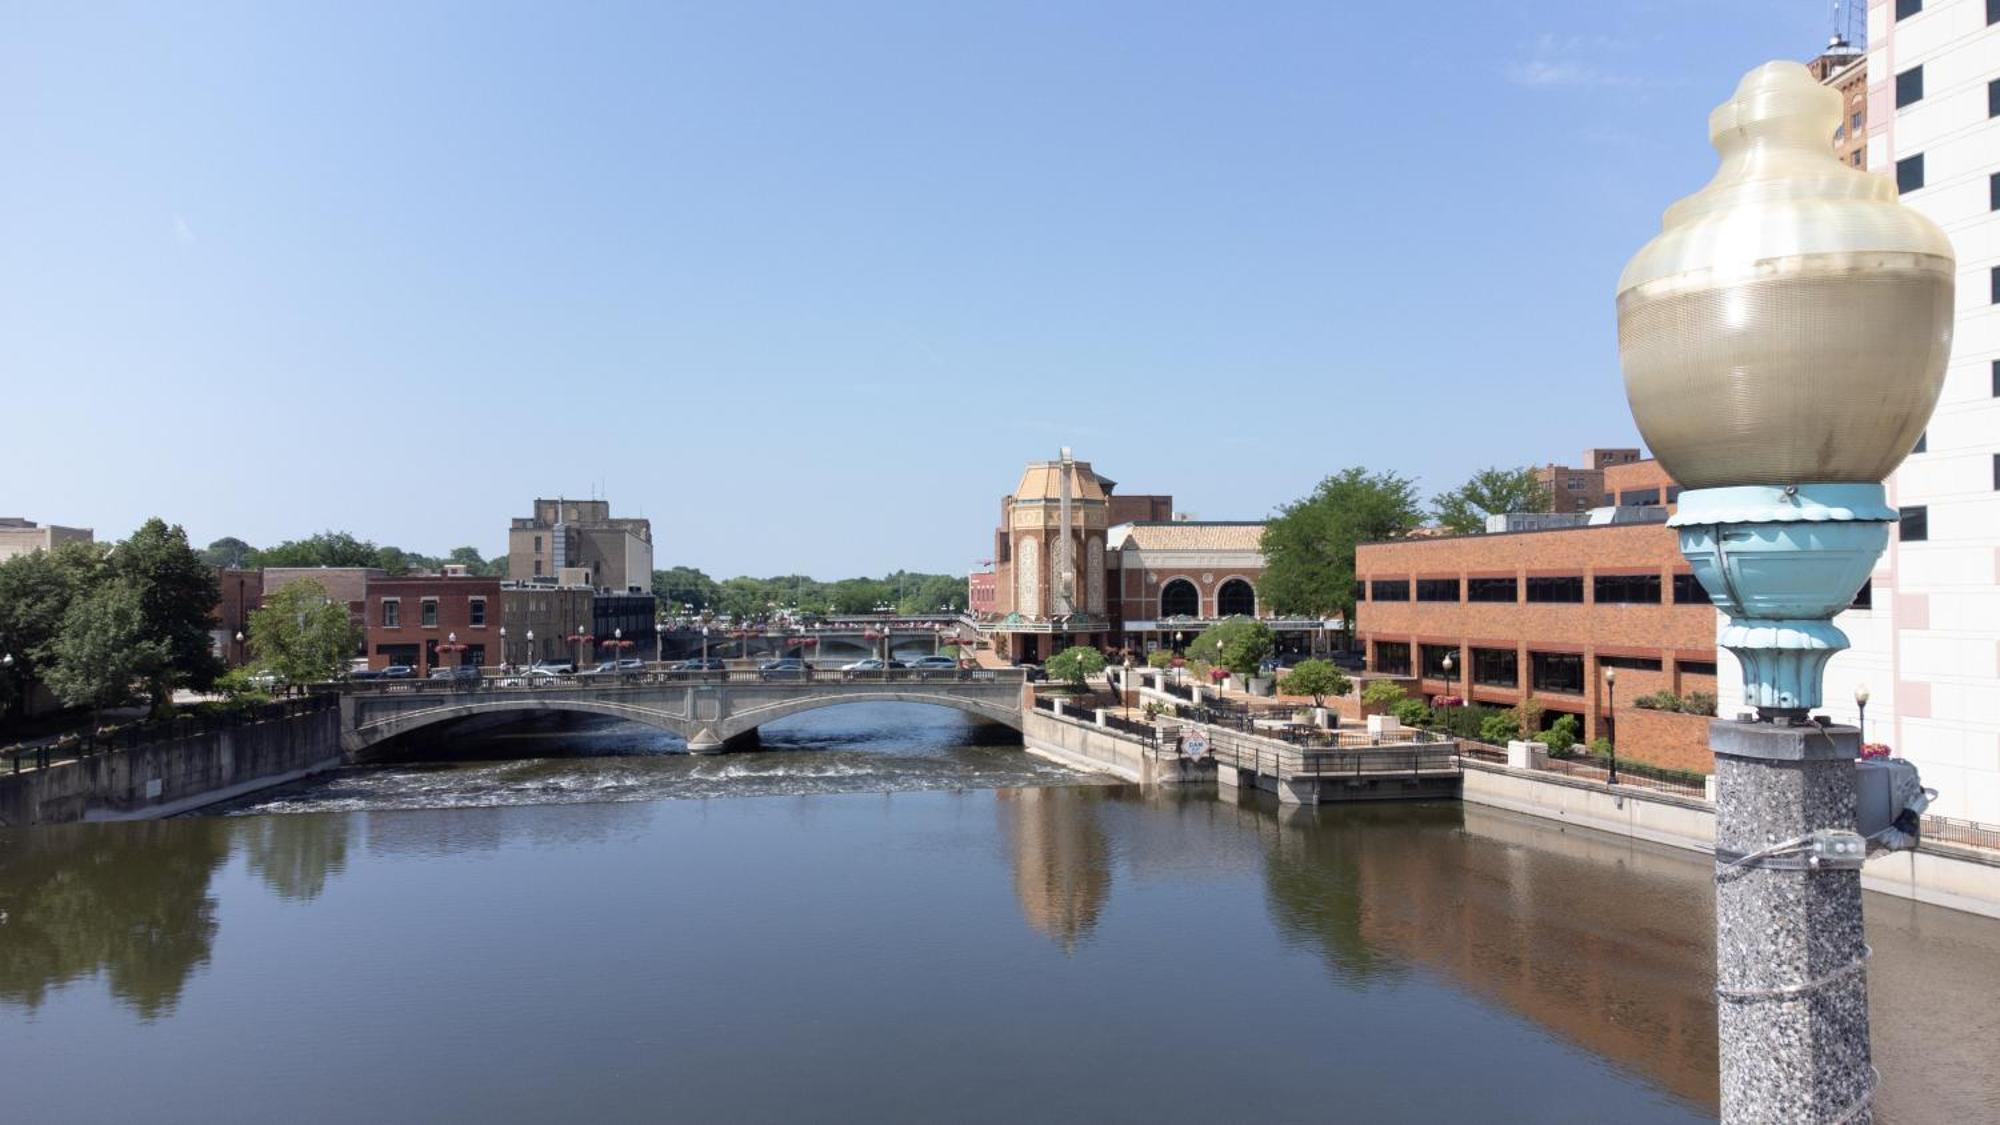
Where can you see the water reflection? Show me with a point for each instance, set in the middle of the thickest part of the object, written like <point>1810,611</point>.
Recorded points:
<point>130,902</point>
<point>294,855</point>
<point>1060,857</point>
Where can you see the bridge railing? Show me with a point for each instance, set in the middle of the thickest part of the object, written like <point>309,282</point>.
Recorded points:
<point>525,682</point>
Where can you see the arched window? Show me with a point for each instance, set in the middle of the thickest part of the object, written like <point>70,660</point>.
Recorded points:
<point>1179,598</point>
<point>1236,598</point>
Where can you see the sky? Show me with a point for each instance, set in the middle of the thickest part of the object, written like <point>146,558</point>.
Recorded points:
<point>807,284</point>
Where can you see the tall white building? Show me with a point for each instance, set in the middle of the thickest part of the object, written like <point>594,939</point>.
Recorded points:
<point>1927,644</point>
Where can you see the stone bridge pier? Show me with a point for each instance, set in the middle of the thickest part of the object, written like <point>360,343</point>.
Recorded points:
<point>713,712</point>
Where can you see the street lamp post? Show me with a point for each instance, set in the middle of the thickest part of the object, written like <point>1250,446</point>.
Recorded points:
<point>530,638</point>
<point>1861,711</point>
<point>704,646</point>
<point>1448,688</point>
<point>1611,712</point>
<point>239,648</point>
<point>1784,340</point>
<point>505,656</point>
<point>580,637</point>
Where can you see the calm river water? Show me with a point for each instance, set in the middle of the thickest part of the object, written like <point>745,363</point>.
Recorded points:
<point>888,915</point>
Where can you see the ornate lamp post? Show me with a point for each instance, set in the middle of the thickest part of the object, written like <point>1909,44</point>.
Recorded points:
<point>239,648</point>
<point>1450,688</point>
<point>1861,710</point>
<point>530,638</point>
<point>1784,338</point>
<point>580,638</point>
<point>1611,712</point>
<point>505,656</point>
<point>618,644</point>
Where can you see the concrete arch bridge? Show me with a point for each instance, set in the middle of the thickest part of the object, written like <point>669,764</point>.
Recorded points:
<point>711,710</point>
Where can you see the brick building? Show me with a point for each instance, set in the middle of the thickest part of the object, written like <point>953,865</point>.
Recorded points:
<point>1174,578</point>
<point>1845,68</point>
<point>1579,489</point>
<point>1048,597</point>
<point>1545,613</point>
<point>980,593</point>
<point>565,535</point>
<point>541,617</point>
<point>410,618</point>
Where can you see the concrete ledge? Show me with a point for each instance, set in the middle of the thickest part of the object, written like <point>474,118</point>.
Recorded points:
<point>213,797</point>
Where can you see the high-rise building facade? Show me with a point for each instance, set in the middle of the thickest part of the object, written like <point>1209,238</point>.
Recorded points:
<point>1926,646</point>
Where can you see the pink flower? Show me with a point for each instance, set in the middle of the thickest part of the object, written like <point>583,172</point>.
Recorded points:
<point>1875,750</point>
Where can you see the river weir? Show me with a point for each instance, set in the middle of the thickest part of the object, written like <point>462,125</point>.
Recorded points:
<point>892,914</point>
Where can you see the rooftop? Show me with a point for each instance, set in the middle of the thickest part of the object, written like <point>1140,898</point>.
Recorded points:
<point>1189,535</point>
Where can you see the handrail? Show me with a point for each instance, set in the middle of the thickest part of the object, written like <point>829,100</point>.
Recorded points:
<point>591,679</point>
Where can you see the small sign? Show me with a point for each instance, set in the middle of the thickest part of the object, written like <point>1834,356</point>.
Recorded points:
<point>1195,745</point>
<point>152,789</point>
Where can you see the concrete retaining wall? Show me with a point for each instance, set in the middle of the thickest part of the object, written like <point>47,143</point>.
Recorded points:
<point>1940,874</point>
<point>1081,744</point>
<point>174,775</point>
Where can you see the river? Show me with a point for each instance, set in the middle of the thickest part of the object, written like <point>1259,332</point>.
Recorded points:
<point>889,914</point>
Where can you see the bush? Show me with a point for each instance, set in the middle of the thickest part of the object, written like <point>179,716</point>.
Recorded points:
<point>1239,644</point>
<point>1383,693</point>
<point>1159,658</point>
<point>1528,716</point>
<point>1499,728</point>
<point>1659,701</point>
<point>1699,703</point>
<point>1562,735</point>
<point>1075,664</point>
<point>1316,678</point>
<point>236,686</point>
<point>1600,747</point>
<point>1465,722</point>
<point>1411,713</point>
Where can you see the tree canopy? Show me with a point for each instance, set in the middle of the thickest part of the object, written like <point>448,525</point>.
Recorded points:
<point>1490,492</point>
<point>745,596</point>
<point>341,548</point>
<point>1239,644</point>
<point>1316,678</point>
<point>177,597</point>
<point>1075,664</point>
<point>1309,545</point>
<point>302,635</point>
<point>103,650</point>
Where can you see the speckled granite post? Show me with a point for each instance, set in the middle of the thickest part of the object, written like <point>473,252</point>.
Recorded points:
<point>1789,1054</point>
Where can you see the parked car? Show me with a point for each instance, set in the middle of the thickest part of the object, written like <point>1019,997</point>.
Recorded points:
<point>399,672</point>
<point>1033,672</point>
<point>627,666</point>
<point>700,664</point>
<point>786,668</point>
<point>365,674</point>
<point>935,664</point>
<point>456,672</point>
<point>1351,661</point>
<point>264,680</point>
<point>872,664</point>
<point>551,669</point>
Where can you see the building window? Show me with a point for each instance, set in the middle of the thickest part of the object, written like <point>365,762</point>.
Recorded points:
<point>1864,598</point>
<point>1993,192</point>
<point>1639,497</point>
<point>1916,524</point>
<point>1695,667</point>
<point>1235,598</point>
<point>430,613</point>
<point>1910,173</point>
<point>1907,8</point>
<point>1433,657</point>
<point>538,544</point>
<point>1437,589</point>
<point>1688,590</point>
<point>1992,12</point>
<point>1996,378</point>
<point>1993,286</point>
<point>1179,598</point>
<point>1993,98</point>
<point>1910,86</point>
<point>476,611</point>
<point>1574,484</point>
<point>1568,590</point>
<point>1496,667</point>
<point>1626,589</point>
<point>392,613</point>
<point>1556,671</point>
<point>1857,158</point>
<point>1996,472</point>
<point>1392,658</point>
<point>1923,443</point>
<point>1389,590</point>
<point>1493,589</point>
<point>1855,127</point>
<point>1360,590</point>
<point>1635,663</point>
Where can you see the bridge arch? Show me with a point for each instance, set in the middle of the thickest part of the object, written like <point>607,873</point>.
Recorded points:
<point>749,719</point>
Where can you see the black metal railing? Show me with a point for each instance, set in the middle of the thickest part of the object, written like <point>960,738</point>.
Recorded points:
<point>1964,833</point>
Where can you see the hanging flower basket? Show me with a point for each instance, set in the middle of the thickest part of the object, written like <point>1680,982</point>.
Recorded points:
<point>1875,750</point>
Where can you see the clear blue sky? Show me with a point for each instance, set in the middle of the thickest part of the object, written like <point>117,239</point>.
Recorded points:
<point>806,283</point>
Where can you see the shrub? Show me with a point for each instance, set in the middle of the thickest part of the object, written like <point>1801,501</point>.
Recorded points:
<point>1562,735</point>
<point>1076,664</point>
<point>1411,712</point>
<point>1528,716</point>
<point>1239,644</point>
<point>1159,658</point>
<point>1600,747</point>
<point>237,686</point>
<point>1699,703</point>
<point>1660,701</point>
<point>1465,722</point>
<point>1499,728</point>
<point>1383,693</point>
<point>1316,678</point>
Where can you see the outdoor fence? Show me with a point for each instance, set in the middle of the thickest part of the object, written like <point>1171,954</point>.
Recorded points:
<point>132,736</point>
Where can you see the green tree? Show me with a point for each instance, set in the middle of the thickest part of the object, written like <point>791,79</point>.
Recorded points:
<point>36,591</point>
<point>1317,678</point>
<point>1159,658</point>
<point>1411,712</point>
<point>177,598</point>
<point>1076,664</point>
<point>1562,735</point>
<point>469,558</point>
<point>303,636</point>
<point>228,551</point>
<point>1239,644</point>
<point>1384,694</point>
<point>684,585</point>
<point>1490,492</point>
<point>103,650</point>
<point>328,548</point>
<point>1500,728</point>
<point>1309,545</point>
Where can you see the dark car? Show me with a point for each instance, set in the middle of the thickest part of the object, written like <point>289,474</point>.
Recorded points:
<point>702,664</point>
<point>935,664</point>
<point>399,672</point>
<point>1352,661</point>
<point>1033,672</point>
<point>365,674</point>
<point>785,668</point>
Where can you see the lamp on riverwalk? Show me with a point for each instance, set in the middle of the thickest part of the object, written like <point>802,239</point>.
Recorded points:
<point>1861,710</point>
<point>1448,689</point>
<point>581,637</point>
<point>1784,339</point>
<point>530,638</point>
<point>1610,712</point>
